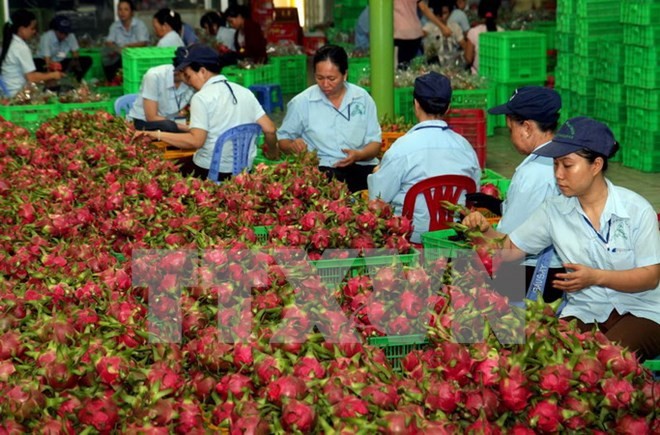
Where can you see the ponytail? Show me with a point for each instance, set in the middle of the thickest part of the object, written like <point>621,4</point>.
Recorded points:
<point>491,25</point>
<point>20,18</point>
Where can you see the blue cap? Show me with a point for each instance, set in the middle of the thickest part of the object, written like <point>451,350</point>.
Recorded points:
<point>433,85</point>
<point>577,134</point>
<point>531,102</point>
<point>198,53</point>
<point>62,24</point>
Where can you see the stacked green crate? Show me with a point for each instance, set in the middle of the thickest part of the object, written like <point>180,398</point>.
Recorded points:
<point>641,77</point>
<point>346,14</point>
<point>358,68</point>
<point>290,72</point>
<point>137,60</point>
<point>566,10</point>
<point>510,60</point>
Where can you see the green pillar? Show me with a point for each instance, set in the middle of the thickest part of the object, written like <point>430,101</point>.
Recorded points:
<point>381,41</point>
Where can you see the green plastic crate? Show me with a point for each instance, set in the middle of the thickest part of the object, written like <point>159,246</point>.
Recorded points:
<point>609,70</point>
<point>29,116</point>
<point>566,7</point>
<point>290,72</point>
<point>565,43</point>
<point>653,365</point>
<point>640,56</point>
<point>584,105</point>
<point>437,244</point>
<point>565,23</point>
<point>644,118</point>
<point>605,27</point>
<point>501,183</point>
<point>583,65</point>
<point>510,56</point>
<point>137,60</point>
<point>91,107</point>
<point>397,347</point>
<point>595,9</point>
<point>641,150</point>
<point>403,103</point>
<point>644,36</point>
<point>640,77</point>
<point>590,47</point>
<point>609,111</point>
<point>260,74</point>
<point>584,85</point>
<point>549,29</point>
<point>610,49</point>
<point>643,98</point>
<point>95,71</point>
<point>476,99</point>
<point>640,12</point>
<point>358,67</point>
<point>491,175</point>
<point>611,92</point>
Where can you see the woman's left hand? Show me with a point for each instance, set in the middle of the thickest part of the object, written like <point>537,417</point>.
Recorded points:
<point>577,278</point>
<point>142,133</point>
<point>352,156</point>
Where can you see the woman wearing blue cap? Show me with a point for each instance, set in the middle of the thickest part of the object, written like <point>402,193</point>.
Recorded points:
<point>607,237</point>
<point>532,116</point>
<point>336,119</point>
<point>429,149</point>
<point>55,46</point>
<point>216,107</point>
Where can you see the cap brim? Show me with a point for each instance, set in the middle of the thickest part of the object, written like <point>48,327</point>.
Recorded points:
<point>502,109</point>
<point>557,149</point>
<point>180,67</point>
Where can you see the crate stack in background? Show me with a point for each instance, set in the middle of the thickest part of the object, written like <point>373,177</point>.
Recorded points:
<point>346,13</point>
<point>566,10</point>
<point>510,60</point>
<point>136,61</point>
<point>641,79</point>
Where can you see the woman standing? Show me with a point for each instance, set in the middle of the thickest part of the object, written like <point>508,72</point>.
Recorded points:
<point>167,27</point>
<point>16,60</point>
<point>128,31</point>
<point>249,39</point>
<point>606,236</point>
<point>336,119</point>
<point>216,107</point>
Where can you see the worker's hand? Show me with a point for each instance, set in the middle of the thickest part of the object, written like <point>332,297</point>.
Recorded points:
<point>298,146</point>
<point>577,278</point>
<point>352,156</point>
<point>476,220</point>
<point>143,133</point>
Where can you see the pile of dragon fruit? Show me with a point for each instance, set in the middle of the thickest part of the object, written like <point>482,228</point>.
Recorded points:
<point>133,300</point>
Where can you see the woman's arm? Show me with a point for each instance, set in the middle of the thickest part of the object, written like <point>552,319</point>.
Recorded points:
<point>292,146</point>
<point>191,140</point>
<point>469,52</point>
<point>151,110</point>
<point>271,150</point>
<point>428,13</point>
<point>36,76</point>
<point>477,221</point>
<point>634,280</point>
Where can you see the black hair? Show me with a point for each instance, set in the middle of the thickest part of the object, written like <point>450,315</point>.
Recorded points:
<point>130,4</point>
<point>333,53</point>
<point>488,11</point>
<point>20,18</point>
<point>212,18</point>
<point>433,105</point>
<point>213,67</point>
<point>234,11</point>
<point>169,16</point>
<point>547,126</point>
<point>591,155</point>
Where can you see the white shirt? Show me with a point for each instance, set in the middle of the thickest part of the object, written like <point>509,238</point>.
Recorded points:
<point>225,36</point>
<point>158,85</point>
<point>171,39</point>
<point>137,32</point>
<point>16,65</point>
<point>629,238</point>
<point>50,46</point>
<point>213,109</point>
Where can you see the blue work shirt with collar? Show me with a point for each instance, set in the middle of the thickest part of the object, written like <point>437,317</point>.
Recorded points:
<point>137,32</point>
<point>158,85</point>
<point>628,239</point>
<point>50,46</point>
<point>16,65</point>
<point>171,39</point>
<point>312,117</point>
<point>532,182</point>
<point>430,148</point>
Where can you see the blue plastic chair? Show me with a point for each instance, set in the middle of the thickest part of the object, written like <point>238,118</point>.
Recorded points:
<point>269,96</point>
<point>242,137</point>
<point>124,104</point>
<point>3,88</point>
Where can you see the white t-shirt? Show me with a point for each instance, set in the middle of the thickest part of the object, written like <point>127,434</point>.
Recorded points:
<point>16,65</point>
<point>171,39</point>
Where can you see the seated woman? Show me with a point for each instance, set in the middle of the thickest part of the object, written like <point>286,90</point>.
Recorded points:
<point>215,25</point>
<point>216,107</point>
<point>336,119</point>
<point>167,27</point>
<point>55,46</point>
<point>127,31</point>
<point>606,236</point>
<point>162,98</point>
<point>16,60</point>
<point>429,149</point>
<point>249,40</point>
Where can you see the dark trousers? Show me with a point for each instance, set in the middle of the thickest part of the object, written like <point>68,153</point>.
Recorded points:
<point>408,49</point>
<point>512,288</point>
<point>163,125</point>
<point>355,176</point>
<point>188,168</point>
<point>77,67</point>
<point>641,336</point>
<point>110,70</point>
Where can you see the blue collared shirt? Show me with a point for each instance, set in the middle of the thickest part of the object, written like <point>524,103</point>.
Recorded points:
<point>226,36</point>
<point>158,85</point>
<point>118,34</point>
<point>312,117</point>
<point>532,182</point>
<point>427,150</point>
<point>170,39</point>
<point>628,239</point>
<point>16,65</point>
<point>56,50</point>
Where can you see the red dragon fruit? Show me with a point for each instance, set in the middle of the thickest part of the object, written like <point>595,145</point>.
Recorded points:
<point>297,415</point>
